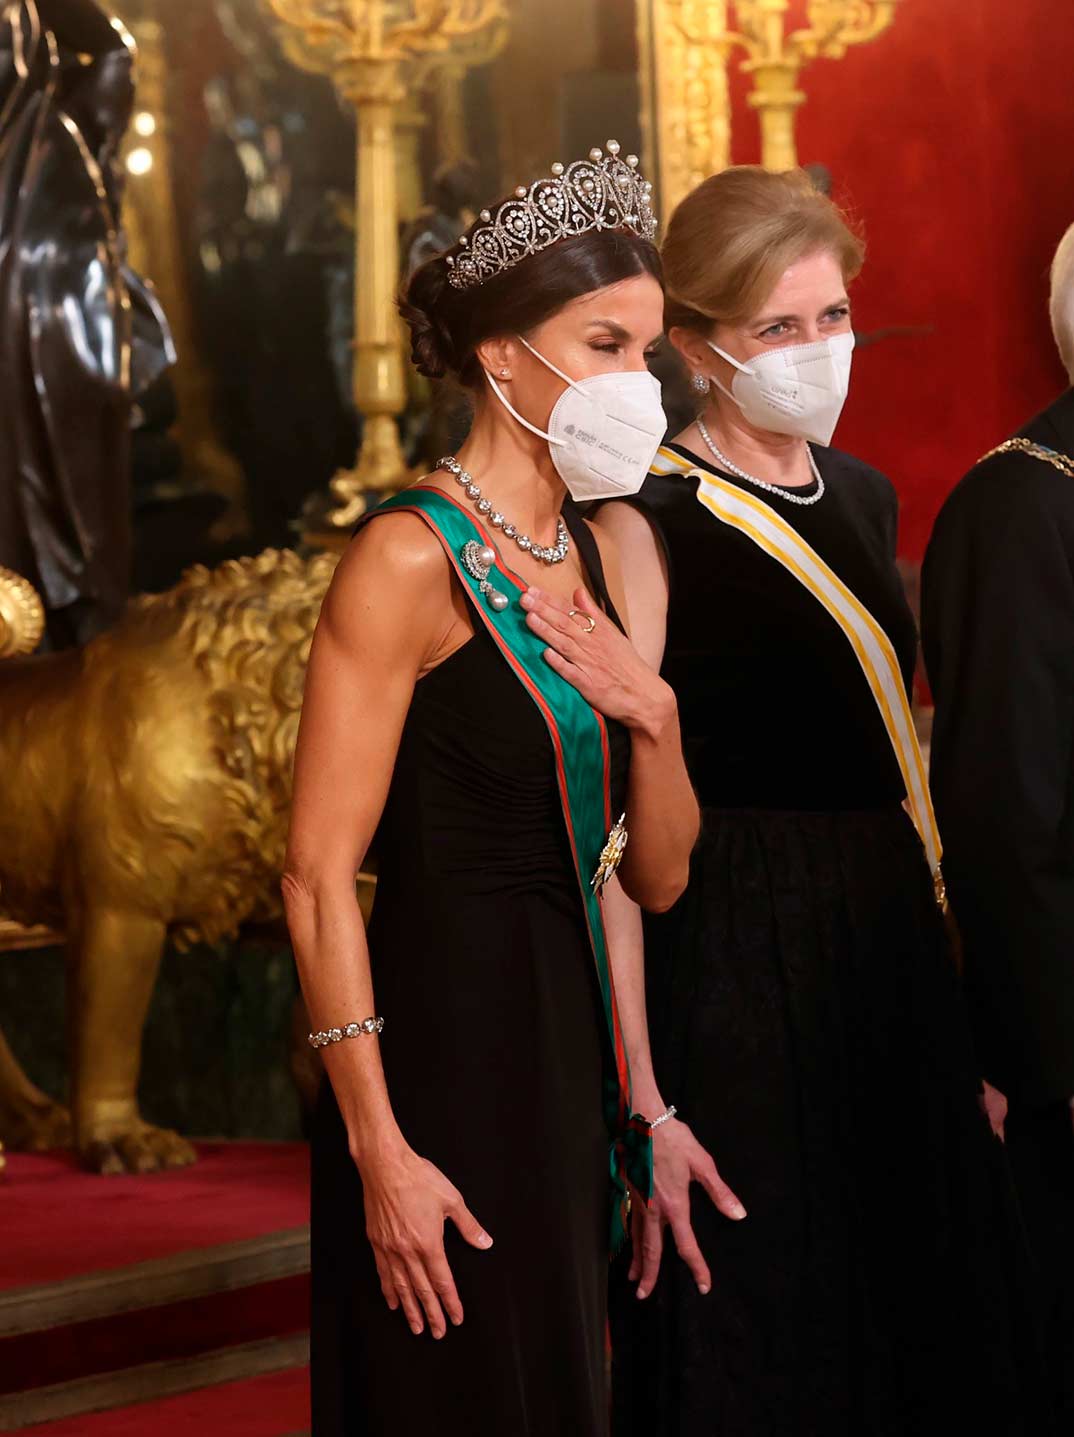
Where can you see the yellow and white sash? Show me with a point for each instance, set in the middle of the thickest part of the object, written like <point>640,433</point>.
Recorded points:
<point>751,516</point>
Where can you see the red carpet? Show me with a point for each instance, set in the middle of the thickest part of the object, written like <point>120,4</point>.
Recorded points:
<point>59,1222</point>
<point>167,1334</point>
<point>186,1292</point>
<point>272,1406</point>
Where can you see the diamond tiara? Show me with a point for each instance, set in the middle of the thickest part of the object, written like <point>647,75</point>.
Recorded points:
<point>600,193</point>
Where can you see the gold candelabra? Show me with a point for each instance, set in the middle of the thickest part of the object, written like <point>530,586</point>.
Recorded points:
<point>366,45</point>
<point>775,54</point>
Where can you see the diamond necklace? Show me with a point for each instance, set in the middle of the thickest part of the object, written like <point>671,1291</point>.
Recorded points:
<point>484,507</point>
<point>783,492</point>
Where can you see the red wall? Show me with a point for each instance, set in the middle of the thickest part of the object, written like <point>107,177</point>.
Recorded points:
<point>952,139</point>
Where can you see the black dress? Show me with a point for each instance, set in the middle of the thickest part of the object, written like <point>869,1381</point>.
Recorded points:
<point>492,1050</point>
<point>807,1021</point>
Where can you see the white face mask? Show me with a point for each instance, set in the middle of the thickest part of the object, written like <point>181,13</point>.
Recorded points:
<point>798,390</point>
<point>603,432</point>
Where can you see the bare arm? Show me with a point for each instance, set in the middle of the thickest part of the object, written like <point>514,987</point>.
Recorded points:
<point>664,816</point>
<point>644,610</point>
<point>679,1158</point>
<point>387,618</point>
<point>613,675</point>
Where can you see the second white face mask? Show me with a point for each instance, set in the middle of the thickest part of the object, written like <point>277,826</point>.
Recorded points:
<point>800,389</point>
<point>603,432</point>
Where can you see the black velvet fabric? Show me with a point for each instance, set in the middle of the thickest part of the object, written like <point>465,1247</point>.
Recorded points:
<point>809,1025</point>
<point>807,1020</point>
<point>774,710</point>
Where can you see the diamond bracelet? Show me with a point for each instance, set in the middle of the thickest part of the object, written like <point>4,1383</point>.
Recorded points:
<point>352,1030</point>
<point>665,1117</point>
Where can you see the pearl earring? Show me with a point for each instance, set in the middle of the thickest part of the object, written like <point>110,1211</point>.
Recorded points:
<point>505,374</point>
<point>700,383</point>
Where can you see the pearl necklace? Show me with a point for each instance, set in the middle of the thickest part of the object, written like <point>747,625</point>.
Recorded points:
<point>555,555</point>
<point>782,491</point>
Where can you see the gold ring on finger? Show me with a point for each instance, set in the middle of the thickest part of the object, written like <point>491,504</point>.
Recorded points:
<point>588,623</point>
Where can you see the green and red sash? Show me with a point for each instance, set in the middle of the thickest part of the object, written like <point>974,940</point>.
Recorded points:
<point>580,745</point>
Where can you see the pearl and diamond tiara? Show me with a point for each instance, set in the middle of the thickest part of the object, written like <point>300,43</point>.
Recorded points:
<point>600,193</point>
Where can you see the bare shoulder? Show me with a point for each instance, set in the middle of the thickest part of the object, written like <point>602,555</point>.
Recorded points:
<point>393,572</point>
<point>635,541</point>
<point>611,569</point>
<point>607,541</point>
<point>625,525</point>
<point>636,568</point>
<point>398,550</point>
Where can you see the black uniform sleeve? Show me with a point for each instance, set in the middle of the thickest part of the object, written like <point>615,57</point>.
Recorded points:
<point>998,632</point>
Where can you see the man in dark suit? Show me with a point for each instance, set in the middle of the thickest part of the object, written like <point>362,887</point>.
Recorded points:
<point>998,632</point>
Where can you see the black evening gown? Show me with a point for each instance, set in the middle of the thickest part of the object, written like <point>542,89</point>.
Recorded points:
<point>492,1049</point>
<point>807,1021</point>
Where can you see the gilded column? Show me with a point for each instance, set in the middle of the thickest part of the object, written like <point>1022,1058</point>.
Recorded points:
<point>410,191</point>
<point>450,110</point>
<point>686,110</point>
<point>379,384</point>
<point>378,52</point>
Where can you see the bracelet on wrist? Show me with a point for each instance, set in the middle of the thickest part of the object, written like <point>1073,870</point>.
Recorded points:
<point>665,1117</point>
<point>351,1030</point>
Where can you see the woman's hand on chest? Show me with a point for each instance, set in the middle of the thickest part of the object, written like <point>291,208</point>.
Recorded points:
<point>588,650</point>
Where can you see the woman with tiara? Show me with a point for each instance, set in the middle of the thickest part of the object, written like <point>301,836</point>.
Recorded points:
<point>805,1007</point>
<point>473,699</point>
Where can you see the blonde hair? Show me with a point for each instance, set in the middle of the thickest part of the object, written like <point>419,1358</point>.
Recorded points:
<point>1061,301</point>
<point>730,240</point>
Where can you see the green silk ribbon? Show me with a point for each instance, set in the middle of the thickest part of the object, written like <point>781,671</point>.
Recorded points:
<point>580,744</point>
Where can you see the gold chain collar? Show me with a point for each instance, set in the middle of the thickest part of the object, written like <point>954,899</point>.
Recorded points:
<point>1062,462</point>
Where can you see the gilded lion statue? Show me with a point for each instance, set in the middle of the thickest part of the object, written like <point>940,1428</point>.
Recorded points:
<point>144,789</point>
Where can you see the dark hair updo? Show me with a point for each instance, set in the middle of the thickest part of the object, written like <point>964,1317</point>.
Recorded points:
<point>447,324</point>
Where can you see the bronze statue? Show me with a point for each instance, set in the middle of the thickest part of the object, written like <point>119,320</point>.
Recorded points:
<point>144,787</point>
<point>79,333</point>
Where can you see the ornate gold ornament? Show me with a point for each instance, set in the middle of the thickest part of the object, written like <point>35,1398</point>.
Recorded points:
<point>775,56</point>
<point>144,793</point>
<point>22,627</point>
<point>685,107</point>
<point>378,51</point>
<point>611,855</point>
<point>22,615</point>
<point>22,624</point>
